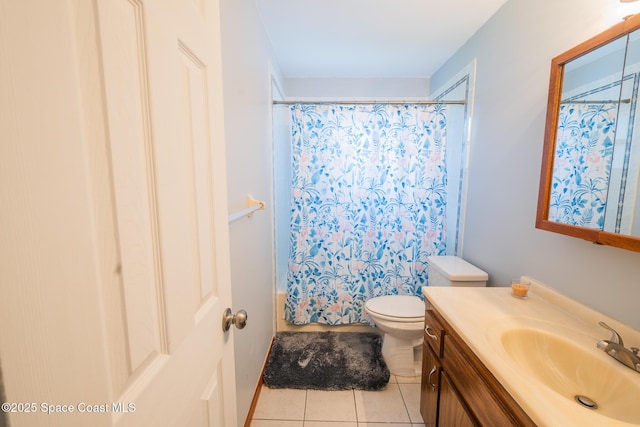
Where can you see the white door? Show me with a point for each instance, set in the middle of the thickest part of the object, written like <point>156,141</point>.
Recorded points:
<point>114,269</point>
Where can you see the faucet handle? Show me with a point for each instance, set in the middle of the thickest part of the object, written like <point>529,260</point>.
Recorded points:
<point>615,337</point>
<point>635,350</point>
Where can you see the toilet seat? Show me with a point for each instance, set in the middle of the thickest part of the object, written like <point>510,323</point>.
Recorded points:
<point>399,308</point>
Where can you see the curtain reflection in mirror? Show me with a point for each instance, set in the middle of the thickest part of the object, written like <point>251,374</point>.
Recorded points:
<point>595,182</point>
<point>582,163</point>
<point>624,171</point>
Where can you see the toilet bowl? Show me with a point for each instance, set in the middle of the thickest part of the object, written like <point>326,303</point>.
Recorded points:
<point>401,318</point>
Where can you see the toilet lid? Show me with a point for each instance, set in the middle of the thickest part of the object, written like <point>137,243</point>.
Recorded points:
<point>403,306</point>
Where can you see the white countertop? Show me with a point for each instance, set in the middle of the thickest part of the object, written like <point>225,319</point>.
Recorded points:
<point>479,314</point>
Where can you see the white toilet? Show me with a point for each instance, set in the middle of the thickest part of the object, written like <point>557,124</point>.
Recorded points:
<point>401,317</point>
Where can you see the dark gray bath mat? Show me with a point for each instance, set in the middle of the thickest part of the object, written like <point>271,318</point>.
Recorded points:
<point>326,361</point>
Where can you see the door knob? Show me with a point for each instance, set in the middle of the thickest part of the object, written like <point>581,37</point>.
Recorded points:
<point>239,319</point>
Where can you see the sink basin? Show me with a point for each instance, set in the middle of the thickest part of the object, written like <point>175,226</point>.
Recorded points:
<point>572,370</point>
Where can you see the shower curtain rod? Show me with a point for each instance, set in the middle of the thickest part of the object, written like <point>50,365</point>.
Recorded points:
<point>588,101</point>
<point>368,102</point>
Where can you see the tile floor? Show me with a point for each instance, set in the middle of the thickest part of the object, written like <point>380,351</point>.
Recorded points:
<point>398,405</point>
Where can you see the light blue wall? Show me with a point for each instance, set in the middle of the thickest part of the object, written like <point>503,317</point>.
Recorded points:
<point>514,51</point>
<point>247,75</point>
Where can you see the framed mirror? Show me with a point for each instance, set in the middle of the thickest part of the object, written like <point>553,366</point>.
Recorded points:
<point>590,177</point>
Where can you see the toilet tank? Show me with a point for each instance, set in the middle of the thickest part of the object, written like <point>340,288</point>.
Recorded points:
<point>450,270</point>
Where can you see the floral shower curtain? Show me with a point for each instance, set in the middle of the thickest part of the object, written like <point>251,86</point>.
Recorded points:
<point>582,164</point>
<point>368,206</point>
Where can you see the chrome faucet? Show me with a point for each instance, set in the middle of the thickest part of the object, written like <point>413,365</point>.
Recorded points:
<point>615,348</point>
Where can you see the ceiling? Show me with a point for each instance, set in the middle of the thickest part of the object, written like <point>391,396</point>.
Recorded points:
<point>369,38</point>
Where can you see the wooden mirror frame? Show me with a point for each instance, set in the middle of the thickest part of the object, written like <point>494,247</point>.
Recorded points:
<point>558,63</point>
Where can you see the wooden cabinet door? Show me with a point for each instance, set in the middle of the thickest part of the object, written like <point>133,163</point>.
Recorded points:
<point>452,411</point>
<point>430,387</point>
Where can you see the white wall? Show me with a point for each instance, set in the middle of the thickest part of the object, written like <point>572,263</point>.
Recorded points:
<point>356,89</point>
<point>247,103</point>
<point>514,51</point>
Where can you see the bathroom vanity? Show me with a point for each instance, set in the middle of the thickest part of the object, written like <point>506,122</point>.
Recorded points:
<point>492,359</point>
<point>457,388</point>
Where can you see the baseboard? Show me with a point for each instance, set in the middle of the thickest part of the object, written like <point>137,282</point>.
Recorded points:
<point>256,394</point>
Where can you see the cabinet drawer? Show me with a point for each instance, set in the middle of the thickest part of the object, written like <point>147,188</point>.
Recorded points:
<point>433,333</point>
